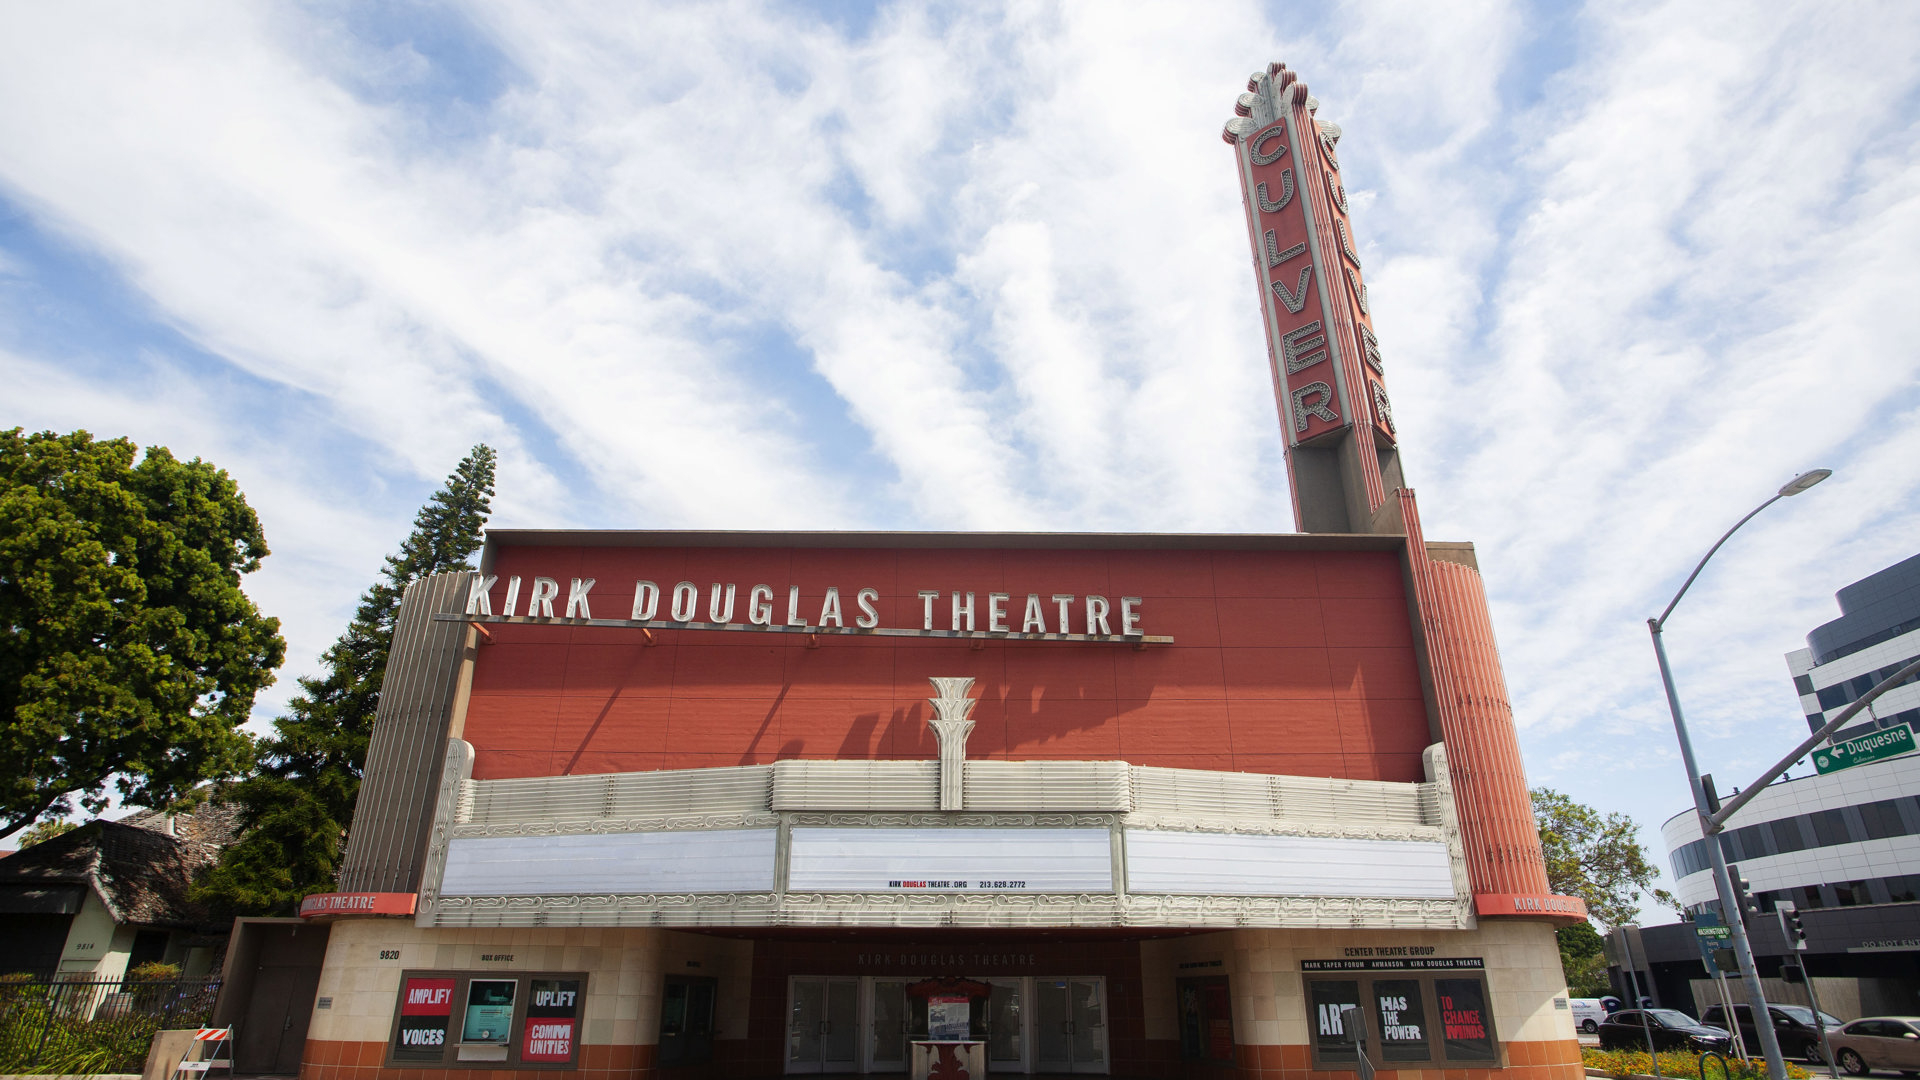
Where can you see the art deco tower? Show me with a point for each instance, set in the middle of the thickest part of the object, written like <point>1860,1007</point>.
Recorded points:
<point>1343,458</point>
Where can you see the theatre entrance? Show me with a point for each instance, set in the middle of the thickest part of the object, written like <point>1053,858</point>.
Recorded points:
<point>868,1024</point>
<point>1070,1025</point>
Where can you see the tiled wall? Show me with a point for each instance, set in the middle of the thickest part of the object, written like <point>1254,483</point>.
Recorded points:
<point>1269,1006</point>
<point>625,968</point>
<point>1284,661</point>
<point>621,1016</point>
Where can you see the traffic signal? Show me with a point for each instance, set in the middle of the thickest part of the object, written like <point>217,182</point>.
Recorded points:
<point>1743,892</point>
<point>1791,927</point>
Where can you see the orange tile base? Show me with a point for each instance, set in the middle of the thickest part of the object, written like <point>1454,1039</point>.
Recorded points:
<point>1559,1060</point>
<point>1556,1060</point>
<point>323,1060</point>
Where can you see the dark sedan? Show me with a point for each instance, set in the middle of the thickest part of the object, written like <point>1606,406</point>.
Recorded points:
<point>1670,1028</point>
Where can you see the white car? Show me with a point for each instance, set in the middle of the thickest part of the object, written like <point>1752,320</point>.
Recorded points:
<point>1587,1014</point>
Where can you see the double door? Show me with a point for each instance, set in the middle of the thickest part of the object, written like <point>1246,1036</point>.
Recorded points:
<point>867,1025</point>
<point>1070,1025</point>
<point>823,1024</point>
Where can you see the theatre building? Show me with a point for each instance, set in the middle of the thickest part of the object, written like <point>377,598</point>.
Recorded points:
<point>756,804</point>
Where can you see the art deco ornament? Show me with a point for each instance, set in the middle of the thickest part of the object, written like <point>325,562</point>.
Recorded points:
<point>952,722</point>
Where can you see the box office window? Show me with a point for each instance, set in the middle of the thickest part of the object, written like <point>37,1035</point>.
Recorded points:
<point>1413,1018</point>
<point>1206,1019</point>
<point>488,1020</point>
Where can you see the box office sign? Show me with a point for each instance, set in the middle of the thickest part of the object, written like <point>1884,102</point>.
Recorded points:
<point>471,1019</point>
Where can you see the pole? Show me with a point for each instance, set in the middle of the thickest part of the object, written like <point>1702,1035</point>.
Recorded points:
<point>1732,1015</point>
<point>1723,882</point>
<point>1633,983</point>
<point>1797,951</point>
<point>1819,1024</point>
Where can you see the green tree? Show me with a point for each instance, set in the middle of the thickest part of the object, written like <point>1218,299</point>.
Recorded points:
<point>297,804</point>
<point>45,830</point>
<point>130,656</point>
<point>1583,958</point>
<point>1596,857</point>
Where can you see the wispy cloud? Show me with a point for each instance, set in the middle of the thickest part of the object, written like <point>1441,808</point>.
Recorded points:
<point>945,266</point>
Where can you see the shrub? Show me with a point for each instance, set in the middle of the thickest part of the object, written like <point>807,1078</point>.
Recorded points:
<point>1679,1064</point>
<point>154,971</point>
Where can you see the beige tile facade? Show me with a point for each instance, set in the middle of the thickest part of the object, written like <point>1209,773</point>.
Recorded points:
<point>1269,1003</point>
<point>623,967</point>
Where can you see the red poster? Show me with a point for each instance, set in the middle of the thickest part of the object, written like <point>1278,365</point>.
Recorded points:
<point>548,1039</point>
<point>425,1008</point>
<point>427,997</point>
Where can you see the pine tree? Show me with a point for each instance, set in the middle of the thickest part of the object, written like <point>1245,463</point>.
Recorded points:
<point>297,804</point>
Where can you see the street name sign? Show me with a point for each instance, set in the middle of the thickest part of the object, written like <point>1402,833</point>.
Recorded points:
<point>1877,746</point>
<point>1710,934</point>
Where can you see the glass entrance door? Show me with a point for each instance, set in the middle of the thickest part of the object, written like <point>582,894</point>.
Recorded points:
<point>1070,1025</point>
<point>1006,1027</point>
<point>896,1021</point>
<point>823,1020</point>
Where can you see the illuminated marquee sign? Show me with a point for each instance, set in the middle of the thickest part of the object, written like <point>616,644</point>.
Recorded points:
<point>727,606</point>
<point>1327,365</point>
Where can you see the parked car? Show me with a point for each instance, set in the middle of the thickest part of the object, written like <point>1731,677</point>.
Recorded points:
<point>1589,1012</point>
<point>1878,1042</point>
<point>1671,1030</point>
<point>1792,1025</point>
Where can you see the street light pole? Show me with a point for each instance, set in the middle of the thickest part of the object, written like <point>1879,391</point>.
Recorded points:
<point>1722,880</point>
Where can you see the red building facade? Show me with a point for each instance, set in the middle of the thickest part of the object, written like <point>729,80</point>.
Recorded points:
<point>731,804</point>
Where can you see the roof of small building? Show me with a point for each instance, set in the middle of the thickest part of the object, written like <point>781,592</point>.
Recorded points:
<point>138,870</point>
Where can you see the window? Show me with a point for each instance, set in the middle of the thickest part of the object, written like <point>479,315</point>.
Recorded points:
<point>1830,828</point>
<point>1400,1020</point>
<point>1206,1019</point>
<point>1464,1019</point>
<point>1754,841</point>
<point>1882,819</point>
<point>1803,684</point>
<point>1833,697</point>
<point>1850,893</point>
<point>1414,1019</point>
<point>1331,998</point>
<point>451,1019</point>
<point>1786,835</point>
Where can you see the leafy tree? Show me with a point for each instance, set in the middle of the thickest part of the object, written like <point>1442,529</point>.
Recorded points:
<point>45,830</point>
<point>1584,959</point>
<point>130,656</point>
<point>1598,858</point>
<point>297,804</point>
<point>1595,857</point>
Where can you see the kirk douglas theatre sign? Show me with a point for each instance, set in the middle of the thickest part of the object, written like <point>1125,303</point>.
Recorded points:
<point>727,606</point>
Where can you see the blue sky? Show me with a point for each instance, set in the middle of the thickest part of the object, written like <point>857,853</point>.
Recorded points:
<point>976,266</point>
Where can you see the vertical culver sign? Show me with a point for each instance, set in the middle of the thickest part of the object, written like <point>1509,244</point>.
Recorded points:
<point>1327,366</point>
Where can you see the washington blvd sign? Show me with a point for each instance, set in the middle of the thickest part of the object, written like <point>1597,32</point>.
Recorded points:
<point>1878,746</point>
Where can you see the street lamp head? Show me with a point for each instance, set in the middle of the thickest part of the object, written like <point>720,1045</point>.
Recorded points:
<point>1804,481</point>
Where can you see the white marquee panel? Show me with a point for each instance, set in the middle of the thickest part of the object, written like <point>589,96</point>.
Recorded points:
<point>700,861</point>
<point>950,860</point>
<point>1235,864</point>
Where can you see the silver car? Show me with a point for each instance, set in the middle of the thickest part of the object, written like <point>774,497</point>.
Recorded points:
<point>1878,1042</point>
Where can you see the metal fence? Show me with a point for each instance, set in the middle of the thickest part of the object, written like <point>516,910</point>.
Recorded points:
<point>93,1026</point>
